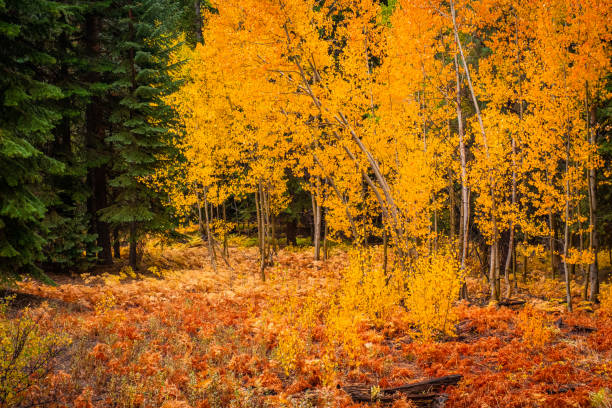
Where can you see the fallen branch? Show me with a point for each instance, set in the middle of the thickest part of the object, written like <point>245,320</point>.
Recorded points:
<point>574,328</point>
<point>423,394</point>
<point>512,302</point>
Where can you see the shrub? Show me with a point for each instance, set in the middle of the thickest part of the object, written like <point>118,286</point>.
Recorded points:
<point>600,399</point>
<point>366,290</point>
<point>26,354</point>
<point>433,286</point>
<point>605,298</point>
<point>291,347</point>
<point>533,327</point>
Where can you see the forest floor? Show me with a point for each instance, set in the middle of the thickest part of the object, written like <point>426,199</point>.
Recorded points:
<point>182,335</point>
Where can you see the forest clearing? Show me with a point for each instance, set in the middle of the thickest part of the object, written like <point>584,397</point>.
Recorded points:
<point>182,335</point>
<point>305,203</point>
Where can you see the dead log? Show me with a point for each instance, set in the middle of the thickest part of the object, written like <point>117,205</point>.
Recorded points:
<point>432,385</point>
<point>426,394</point>
<point>564,388</point>
<point>582,329</point>
<point>511,302</point>
<point>574,328</point>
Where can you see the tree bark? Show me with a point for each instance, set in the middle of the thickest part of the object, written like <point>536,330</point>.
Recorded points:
<point>94,141</point>
<point>291,232</point>
<point>133,257</point>
<point>511,238</point>
<point>568,293</point>
<point>330,181</point>
<point>200,221</point>
<point>451,208</point>
<point>514,165</point>
<point>465,202</point>
<point>593,244</point>
<point>486,146</point>
<point>385,251</point>
<point>225,233</point>
<point>198,22</point>
<point>209,237</point>
<point>551,243</point>
<point>325,232</point>
<point>116,244</point>
<point>316,211</point>
<point>259,204</point>
<point>372,162</point>
<point>267,217</point>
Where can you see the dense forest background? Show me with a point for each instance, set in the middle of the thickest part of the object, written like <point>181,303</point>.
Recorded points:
<point>96,143</point>
<point>83,125</point>
<point>305,203</point>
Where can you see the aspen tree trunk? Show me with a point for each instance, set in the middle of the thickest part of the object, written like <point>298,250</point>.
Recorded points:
<point>225,243</point>
<point>497,269</point>
<point>266,213</point>
<point>379,198</point>
<point>200,222</point>
<point>316,213</point>
<point>451,207</point>
<point>325,232</point>
<point>511,238</point>
<point>385,250</point>
<point>260,232</point>
<point>330,181</point>
<point>422,106</point>
<point>460,241</point>
<point>372,110</point>
<point>258,216</point>
<point>514,267</point>
<point>566,229</point>
<point>273,234</point>
<point>209,237</point>
<point>341,119</point>
<point>388,201</point>
<point>435,230</point>
<point>585,271</point>
<point>494,269</point>
<point>593,247</point>
<point>236,215</point>
<point>551,243</point>
<point>465,201</point>
<point>364,220</point>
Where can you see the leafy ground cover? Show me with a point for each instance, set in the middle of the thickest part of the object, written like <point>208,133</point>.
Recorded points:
<point>179,335</point>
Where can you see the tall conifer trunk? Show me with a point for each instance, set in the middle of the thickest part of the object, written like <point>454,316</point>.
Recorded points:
<point>133,257</point>
<point>94,140</point>
<point>198,22</point>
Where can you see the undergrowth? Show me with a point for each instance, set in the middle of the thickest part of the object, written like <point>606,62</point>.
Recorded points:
<point>190,337</point>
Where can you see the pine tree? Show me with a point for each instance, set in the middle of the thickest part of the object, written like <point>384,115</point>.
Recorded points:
<point>28,115</point>
<point>140,138</point>
<point>68,243</point>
